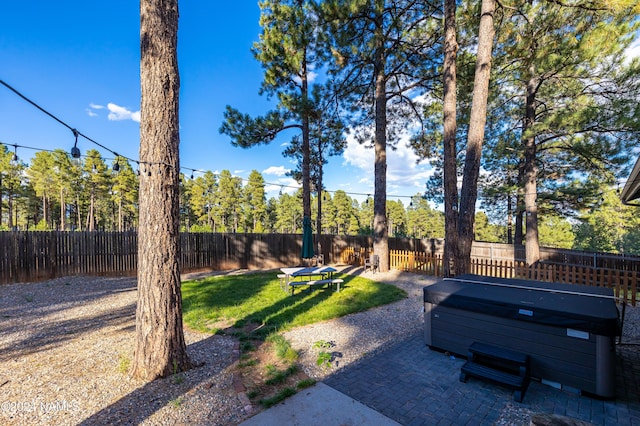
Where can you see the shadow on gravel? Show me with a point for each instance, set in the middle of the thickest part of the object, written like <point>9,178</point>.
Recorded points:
<point>34,317</point>
<point>142,403</point>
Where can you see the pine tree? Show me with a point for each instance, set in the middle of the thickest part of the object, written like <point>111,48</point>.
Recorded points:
<point>39,174</point>
<point>287,51</point>
<point>569,78</point>
<point>254,204</point>
<point>125,194</point>
<point>160,346</point>
<point>383,61</point>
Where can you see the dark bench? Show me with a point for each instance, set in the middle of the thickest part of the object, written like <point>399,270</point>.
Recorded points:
<point>499,365</point>
<point>330,282</point>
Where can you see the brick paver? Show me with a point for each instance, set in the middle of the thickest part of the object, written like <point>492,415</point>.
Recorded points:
<point>414,385</point>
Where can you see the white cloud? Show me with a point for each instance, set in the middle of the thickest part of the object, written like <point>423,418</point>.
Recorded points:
<point>118,113</point>
<point>286,185</point>
<point>92,107</point>
<point>282,183</point>
<point>275,171</point>
<point>633,51</point>
<point>311,77</point>
<point>404,175</point>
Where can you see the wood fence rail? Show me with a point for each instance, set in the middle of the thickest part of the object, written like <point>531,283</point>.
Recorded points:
<point>31,256</point>
<point>623,283</point>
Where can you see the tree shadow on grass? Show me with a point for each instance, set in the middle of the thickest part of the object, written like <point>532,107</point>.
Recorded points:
<point>279,315</point>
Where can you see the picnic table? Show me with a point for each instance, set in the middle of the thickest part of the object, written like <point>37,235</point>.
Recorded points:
<point>307,276</point>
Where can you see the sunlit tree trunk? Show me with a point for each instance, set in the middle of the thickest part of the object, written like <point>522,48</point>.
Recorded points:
<point>160,345</point>
<point>475,137</point>
<point>532,244</point>
<point>380,228</point>
<point>450,125</point>
<point>62,209</point>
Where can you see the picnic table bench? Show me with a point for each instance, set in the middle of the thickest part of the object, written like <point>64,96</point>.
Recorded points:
<point>304,276</point>
<point>329,281</point>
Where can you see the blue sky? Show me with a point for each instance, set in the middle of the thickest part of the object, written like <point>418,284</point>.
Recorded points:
<point>80,61</point>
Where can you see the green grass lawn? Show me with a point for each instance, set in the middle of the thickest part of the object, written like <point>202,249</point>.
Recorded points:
<point>221,301</point>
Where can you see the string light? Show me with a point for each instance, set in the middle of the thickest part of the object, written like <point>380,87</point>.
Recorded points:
<point>75,153</point>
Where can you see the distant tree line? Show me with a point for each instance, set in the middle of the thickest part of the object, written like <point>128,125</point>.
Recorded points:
<point>56,192</point>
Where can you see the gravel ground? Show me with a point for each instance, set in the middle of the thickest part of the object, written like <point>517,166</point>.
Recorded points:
<point>64,348</point>
<point>357,335</point>
<point>65,344</point>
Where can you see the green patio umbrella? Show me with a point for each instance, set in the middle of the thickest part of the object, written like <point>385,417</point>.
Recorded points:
<point>307,239</point>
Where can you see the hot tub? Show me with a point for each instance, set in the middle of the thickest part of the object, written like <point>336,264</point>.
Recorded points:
<point>568,331</point>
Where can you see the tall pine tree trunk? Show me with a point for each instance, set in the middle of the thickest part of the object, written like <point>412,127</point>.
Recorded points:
<point>319,215</point>
<point>380,228</point>
<point>475,137</point>
<point>306,150</point>
<point>62,209</point>
<point>532,244</point>
<point>450,125</point>
<point>120,218</point>
<point>45,211</point>
<point>160,346</point>
<point>78,214</point>
<point>10,208</point>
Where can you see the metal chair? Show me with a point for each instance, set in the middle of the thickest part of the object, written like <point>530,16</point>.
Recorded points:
<point>373,263</point>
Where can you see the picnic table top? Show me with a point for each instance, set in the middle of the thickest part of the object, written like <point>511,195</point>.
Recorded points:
<point>308,270</point>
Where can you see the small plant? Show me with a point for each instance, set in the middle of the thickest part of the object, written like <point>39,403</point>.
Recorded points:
<point>303,384</point>
<point>280,396</point>
<point>28,297</point>
<point>124,362</point>
<point>277,376</point>
<point>248,363</point>
<point>176,378</point>
<point>323,344</point>
<point>176,403</point>
<point>253,393</point>
<point>324,359</point>
<point>282,347</point>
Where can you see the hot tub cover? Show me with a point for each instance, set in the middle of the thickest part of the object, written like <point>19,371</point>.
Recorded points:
<point>578,307</point>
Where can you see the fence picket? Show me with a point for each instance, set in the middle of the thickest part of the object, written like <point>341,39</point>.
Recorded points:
<point>623,283</point>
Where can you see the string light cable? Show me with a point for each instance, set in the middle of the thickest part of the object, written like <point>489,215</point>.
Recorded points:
<point>75,151</point>
<point>146,169</point>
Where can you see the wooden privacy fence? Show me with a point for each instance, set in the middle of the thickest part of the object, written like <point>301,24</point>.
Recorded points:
<point>623,283</point>
<point>32,256</point>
